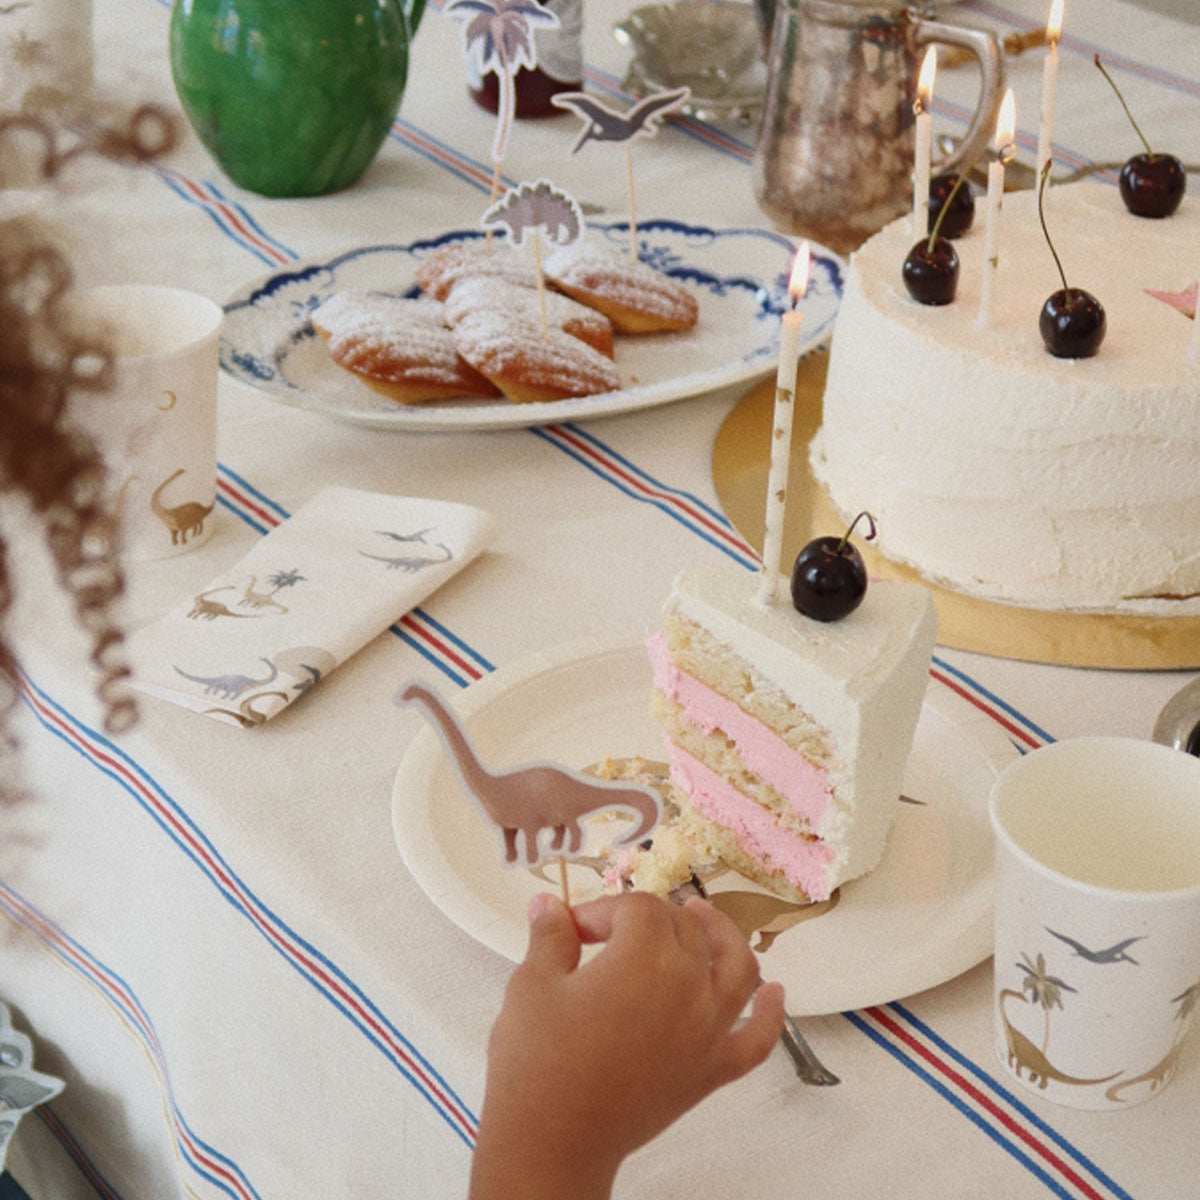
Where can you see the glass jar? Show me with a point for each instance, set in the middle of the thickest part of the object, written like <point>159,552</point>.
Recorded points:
<point>559,67</point>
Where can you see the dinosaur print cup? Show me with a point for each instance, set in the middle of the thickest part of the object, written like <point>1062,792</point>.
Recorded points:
<point>157,424</point>
<point>1097,920</point>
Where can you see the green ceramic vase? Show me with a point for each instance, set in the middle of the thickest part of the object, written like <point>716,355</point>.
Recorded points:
<point>292,97</point>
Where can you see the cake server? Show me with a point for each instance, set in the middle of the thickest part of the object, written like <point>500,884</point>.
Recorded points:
<point>1178,724</point>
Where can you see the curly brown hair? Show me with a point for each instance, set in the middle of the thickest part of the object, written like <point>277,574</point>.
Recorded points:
<point>56,468</point>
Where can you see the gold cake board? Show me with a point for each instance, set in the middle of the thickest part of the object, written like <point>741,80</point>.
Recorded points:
<point>740,460</point>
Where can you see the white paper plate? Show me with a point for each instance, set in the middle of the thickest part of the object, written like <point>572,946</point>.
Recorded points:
<point>920,918</point>
<point>739,277</point>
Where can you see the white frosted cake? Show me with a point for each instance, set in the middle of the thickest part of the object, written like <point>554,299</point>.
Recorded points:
<point>994,468</point>
<point>787,737</point>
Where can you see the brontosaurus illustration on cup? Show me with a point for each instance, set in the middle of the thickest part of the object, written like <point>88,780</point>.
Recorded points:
<point>180,519</point>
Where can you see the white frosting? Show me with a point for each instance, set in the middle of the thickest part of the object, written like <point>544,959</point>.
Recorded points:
<point>999,470</point>
<point>862,679</point>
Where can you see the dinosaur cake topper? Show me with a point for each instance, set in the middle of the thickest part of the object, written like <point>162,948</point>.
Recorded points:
<point>536,208</point>
<point>605,124</point>
<point>529,211</point>
<point>535,798</point>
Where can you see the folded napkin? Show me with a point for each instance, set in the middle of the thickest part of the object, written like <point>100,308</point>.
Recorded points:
<point>339,571</point>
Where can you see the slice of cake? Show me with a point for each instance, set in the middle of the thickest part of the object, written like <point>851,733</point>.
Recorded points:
<point>787,737</point>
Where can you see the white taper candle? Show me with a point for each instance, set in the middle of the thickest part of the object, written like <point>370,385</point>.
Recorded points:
<point>924,142</point>
<point>781,435</point>
<point>1005,128</point>
<point>1045,149</point>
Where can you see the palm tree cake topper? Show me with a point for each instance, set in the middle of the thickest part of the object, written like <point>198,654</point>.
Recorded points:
<point>499,36</point>
<point>528,800</point>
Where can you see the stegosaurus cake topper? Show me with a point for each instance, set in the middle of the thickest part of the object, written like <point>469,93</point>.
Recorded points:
<point>528,211</point>
<point>537,207</point>
<point>537,797</point>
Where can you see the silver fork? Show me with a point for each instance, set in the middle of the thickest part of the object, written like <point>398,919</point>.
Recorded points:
<point>809,1068</point>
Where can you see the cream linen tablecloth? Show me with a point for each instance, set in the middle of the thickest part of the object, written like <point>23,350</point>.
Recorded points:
<point>209,932</point>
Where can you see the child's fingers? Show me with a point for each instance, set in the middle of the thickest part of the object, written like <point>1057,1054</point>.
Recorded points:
<point>748,1045</point>
<point>735,972</point>
<point>553,937</point>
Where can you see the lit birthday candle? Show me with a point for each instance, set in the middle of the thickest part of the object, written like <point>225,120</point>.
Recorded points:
<point>1049,84</point>
<point>924,141</point>
<point>781,431</point>
<point>1006,124</point>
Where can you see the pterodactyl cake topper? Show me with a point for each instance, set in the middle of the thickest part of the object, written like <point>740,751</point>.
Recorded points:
<point>530,210</point>
<point>528,800</point>
<point>604,124</point>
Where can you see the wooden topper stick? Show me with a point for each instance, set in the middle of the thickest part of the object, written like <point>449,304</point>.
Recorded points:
<point>633,250</point>
<point>492,198</point>
<point>541,285</point>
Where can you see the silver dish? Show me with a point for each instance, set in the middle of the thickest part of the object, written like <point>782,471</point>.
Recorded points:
<point>715,50</point>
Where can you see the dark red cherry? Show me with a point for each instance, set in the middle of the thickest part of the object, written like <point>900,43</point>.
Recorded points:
<point>1072,323</point>
<point>931,275</point>
<point>829,577</point>
<point>961,212</point>
<point>1152,185</point>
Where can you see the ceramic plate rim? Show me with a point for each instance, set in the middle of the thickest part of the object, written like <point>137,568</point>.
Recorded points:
<point>967,939</point>
<point>244,359</point>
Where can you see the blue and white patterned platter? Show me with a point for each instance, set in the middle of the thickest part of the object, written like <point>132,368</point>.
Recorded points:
<point>739,277</point>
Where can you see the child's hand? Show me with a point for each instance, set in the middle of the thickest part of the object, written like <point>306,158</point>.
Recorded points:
<point>586,1063</point>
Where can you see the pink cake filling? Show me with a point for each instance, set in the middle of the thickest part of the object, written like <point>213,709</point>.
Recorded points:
<point>804,864</point>
<point>803,785</point>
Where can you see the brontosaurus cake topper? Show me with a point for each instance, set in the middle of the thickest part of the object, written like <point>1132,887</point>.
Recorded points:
<point>528,800</point>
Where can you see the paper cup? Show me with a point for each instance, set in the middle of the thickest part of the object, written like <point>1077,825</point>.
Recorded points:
<point>47,62</point>
<point>157,426</point>
<point>1097,966</point>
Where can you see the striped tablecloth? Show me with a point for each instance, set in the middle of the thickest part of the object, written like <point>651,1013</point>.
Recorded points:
<point>209,932</point>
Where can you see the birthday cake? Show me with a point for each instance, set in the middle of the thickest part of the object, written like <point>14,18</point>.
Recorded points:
<point>787,737</point>
<point>1003,472</point>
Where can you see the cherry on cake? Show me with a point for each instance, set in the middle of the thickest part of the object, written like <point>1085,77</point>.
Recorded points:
<point>787,737</point>
<point>998,470</point>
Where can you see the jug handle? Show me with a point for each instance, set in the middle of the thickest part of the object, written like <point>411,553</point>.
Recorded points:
<point>413,11</point>
<point>985,46</point>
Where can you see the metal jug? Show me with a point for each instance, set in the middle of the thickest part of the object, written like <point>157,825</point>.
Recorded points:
<point>834,158</point>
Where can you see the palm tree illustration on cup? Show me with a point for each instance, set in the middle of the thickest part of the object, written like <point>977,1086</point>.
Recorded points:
<point>1185,1004</point>
<point>1038,987</point>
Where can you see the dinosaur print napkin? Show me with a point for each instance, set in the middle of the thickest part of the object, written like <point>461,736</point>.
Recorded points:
<point>338,572</point>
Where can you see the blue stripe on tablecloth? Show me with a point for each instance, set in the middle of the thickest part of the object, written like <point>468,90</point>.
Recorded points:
<point>232,219</point>
<point>329,980</point>
<point>1112,57</point>
<point>860,1022</point>
<point>1005,1096</point>
<point>218,1169</point>
<point>682,507</point>
<point>690,511</point>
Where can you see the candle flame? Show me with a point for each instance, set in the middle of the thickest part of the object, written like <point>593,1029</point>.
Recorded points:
<point>1054,23</point>
<point>1006,122</point>
<point>798,284</point>
<point>928,71</point>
